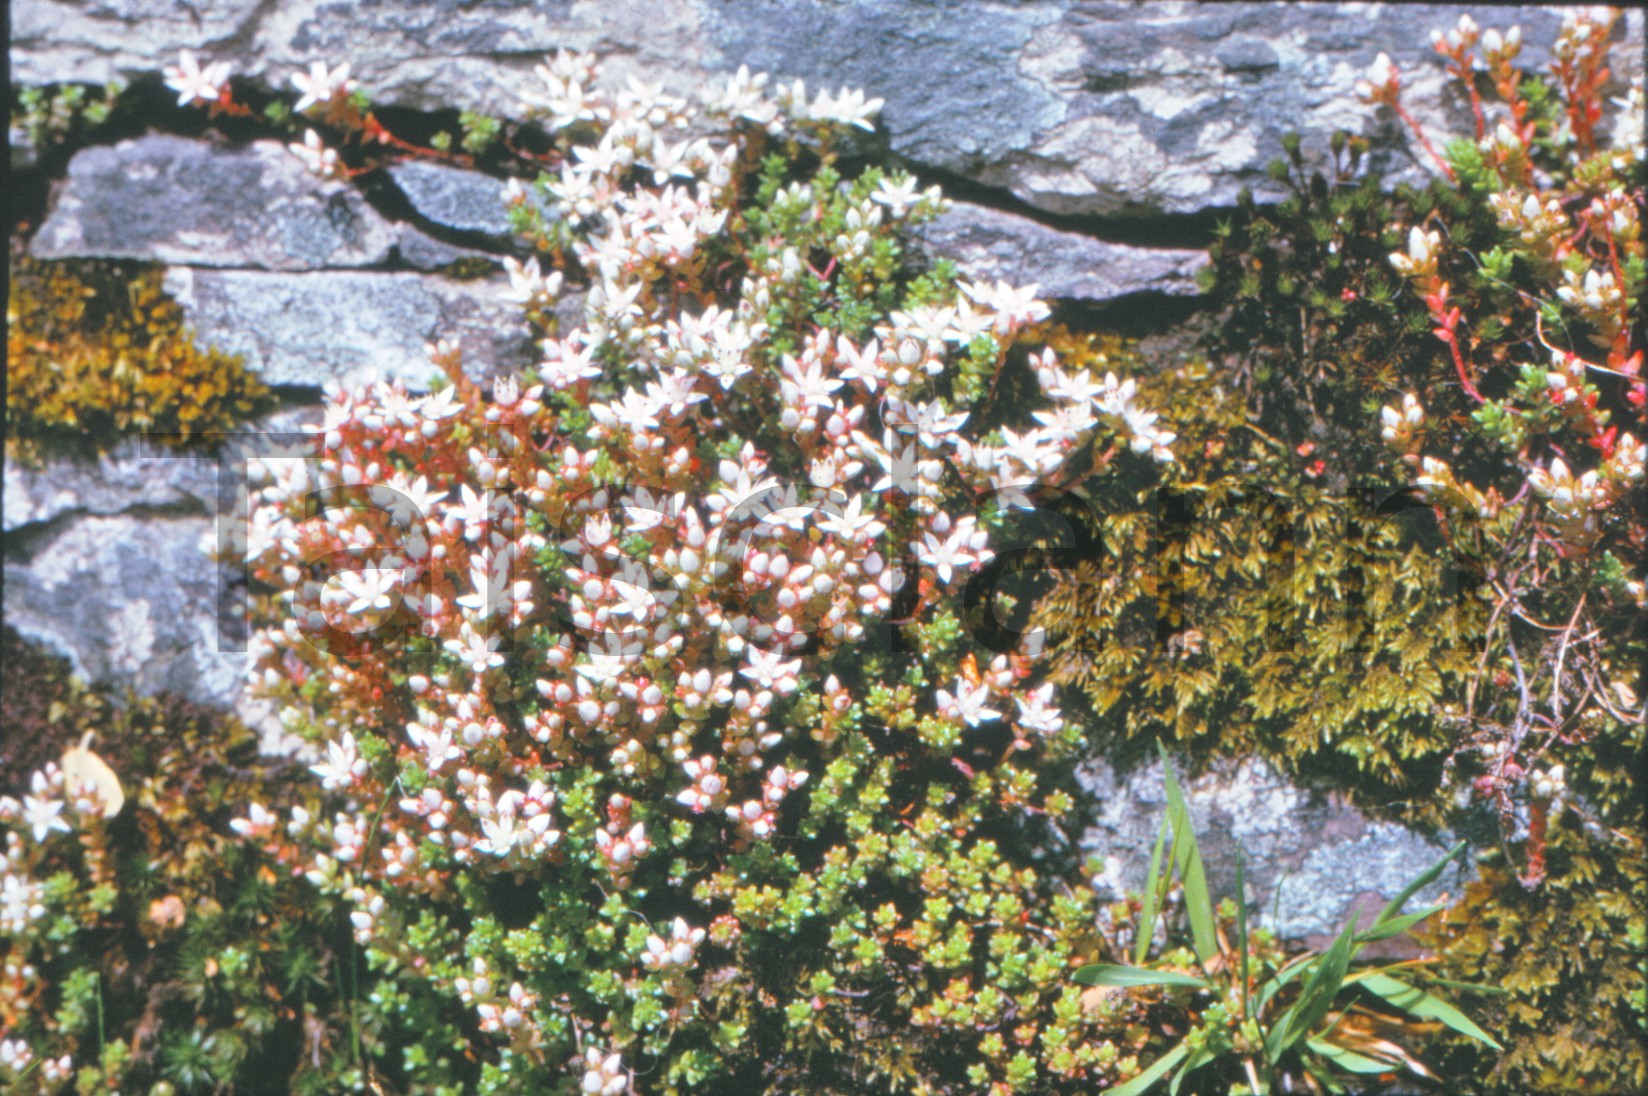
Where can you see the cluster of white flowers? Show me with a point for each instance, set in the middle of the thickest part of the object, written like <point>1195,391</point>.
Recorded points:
<point>675,952</point>
<point>322,85</point>
<point>622,842</point>
<point>1382,82</point>
<point>1581,25</point>
<point>1577,501</point>
<point>510,1013</point>
<point>1400,428</point>
<point>65,798</point>
<point>17,1058</point>
<point>1597,296</point>
<point>1499,48</point>
<point>1539,226</point>
<point>195,84</point>
<point>1462,37</point>
<point>1419,261</point>
<point>20,893</point>
<point>604,1074</point>
<point>695,607</point>
<point>1630,124</point>
<point>1577,237</point>
<point>316,156</point>
<point>41,809</point>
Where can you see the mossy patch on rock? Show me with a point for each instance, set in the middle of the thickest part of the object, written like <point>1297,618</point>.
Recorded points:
<point>95,350</point>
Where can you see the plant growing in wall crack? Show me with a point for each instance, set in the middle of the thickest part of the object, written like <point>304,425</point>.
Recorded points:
<point>1308,1017</point>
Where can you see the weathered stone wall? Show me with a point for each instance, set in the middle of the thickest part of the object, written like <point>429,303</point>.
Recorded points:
<point>1083,137</point>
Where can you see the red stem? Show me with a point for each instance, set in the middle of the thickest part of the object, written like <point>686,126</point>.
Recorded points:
<point>1419,132</point>
<point>1464,374</point>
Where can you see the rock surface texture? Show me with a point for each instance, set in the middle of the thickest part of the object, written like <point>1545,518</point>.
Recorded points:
<point>1068,266</point>
<point>350,326</point>
<point>1312,862</point>
<point>1074,129</point>
<point>1103,108</point>
<point>175,200</point>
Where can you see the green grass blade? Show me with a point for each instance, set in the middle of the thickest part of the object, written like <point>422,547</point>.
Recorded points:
<point>1349,1060</point>
<point>1323,1077</point>
<point>1395,926</point>
<point>1241,934</point>
<point>1474,987</point>
<point>1194,1062</point>
<point>1158,1069</point>
<point>1416,1002</point>
<point>1280,979</point>
<point>1188,861</point>
<point>1316,998</point>
<point>1276,1036</point>
<point>1152,898</point>
<point>1109,974</point>
<point>1426,878</point>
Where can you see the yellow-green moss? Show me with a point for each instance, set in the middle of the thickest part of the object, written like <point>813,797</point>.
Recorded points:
<point>96,350</point>
<point>1570,957</point>
<point>1238,604</point>
<point>1250,601</point>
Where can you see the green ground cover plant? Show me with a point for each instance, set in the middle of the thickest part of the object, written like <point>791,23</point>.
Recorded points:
<point>700,710</point>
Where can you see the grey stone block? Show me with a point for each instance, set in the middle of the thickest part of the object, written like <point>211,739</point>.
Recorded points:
<point>175,200</point>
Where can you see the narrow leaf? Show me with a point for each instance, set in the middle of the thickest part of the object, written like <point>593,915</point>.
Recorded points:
<point>1288,973</point>
<point>1158,1069</point>
<point>1474,987</point>
<point>1195,1061</point>
<point>1188,861</point>
<point>1276,1037</point>
<point>1109,974</point>
<point>1349,1060</point>
<point>1395,926</point>
<point>1416,1002</point>
<point>1152,897</point>
<point>1316,998</point>
<point>1425,879</point>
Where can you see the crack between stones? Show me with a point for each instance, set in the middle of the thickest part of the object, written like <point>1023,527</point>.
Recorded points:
<point>1187,231</point>
<point>21,544</point>
<point>388,200</point>
<point>1161,231</point>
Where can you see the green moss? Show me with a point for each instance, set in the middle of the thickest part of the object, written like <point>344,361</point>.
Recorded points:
<point>1238,605</point>
<point>95,350</point>
<point>55,114</point>
<point>1254,600</point>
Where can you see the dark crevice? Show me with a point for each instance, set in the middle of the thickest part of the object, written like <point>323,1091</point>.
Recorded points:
<point>147,106</point>
<point>20,545</point>
<point>293,396</point>
<point>1135,316</point>
<point>1190,231</point>
<point>381,193</point>
<point>1103,83</point>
